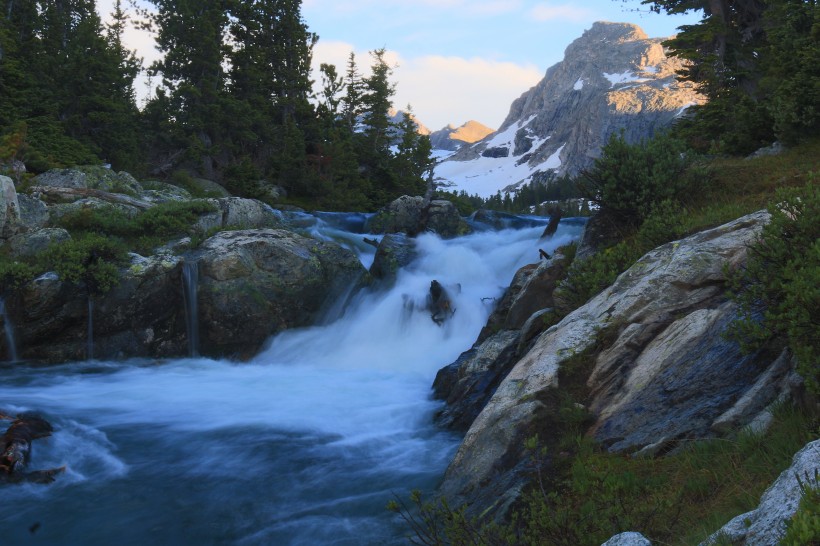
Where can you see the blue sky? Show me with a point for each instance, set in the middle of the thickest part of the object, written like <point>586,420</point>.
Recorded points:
<point>456,60</point>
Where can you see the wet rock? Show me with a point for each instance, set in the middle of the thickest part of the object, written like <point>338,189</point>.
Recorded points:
<point>395,251</point>
<point>409,215</point>
<point>255,283</point>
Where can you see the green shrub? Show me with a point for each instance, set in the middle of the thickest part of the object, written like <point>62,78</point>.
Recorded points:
<point>92,259</point>
<point>629,180</point>
<point>13,275</point>
<point>804,526</point>
<point>779,288</point>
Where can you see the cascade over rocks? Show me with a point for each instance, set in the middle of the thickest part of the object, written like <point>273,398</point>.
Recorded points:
<point>407,215</point>
<point>255,283</point>
<point>664,371</point>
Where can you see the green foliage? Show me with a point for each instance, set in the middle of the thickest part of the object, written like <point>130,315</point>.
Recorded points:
<point>583,495</point>
<point>804,526</point>
<point>93,260</point>
<point>14,274</point>
<point>779,288</point>
<point>629,180</point>
<point>143,231</point>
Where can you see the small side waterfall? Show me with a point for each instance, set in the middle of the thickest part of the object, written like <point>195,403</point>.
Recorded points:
<point>190,285</point>
<point>89,342</point>
<point>8,326</point>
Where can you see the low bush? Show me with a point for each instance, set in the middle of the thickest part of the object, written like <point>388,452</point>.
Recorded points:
<point>93,260</point>
<point>779,288</point>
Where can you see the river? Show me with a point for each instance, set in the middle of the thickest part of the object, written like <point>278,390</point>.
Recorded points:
<point>304,444</point>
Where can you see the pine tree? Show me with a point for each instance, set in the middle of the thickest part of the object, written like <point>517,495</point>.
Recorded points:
<point>352,101</point>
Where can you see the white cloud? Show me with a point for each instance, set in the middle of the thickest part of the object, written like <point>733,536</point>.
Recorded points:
<point>560,12</point>
<point>445,90</point>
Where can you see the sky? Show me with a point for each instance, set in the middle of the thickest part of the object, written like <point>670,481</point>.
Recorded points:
<point>454,60</point>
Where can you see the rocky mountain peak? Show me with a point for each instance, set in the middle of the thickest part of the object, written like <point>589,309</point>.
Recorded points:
<point>452,137</point>
<point>613,78</point>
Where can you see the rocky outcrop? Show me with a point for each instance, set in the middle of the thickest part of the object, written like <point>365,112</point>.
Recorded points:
<point>142,316</point>
<point>628,539</point>
<point>612,79</point>
<point>30,243</point>
<point>9,207</point>
<point>766,524</point>
<point>239,212</point>
<point>452,138</point>
<point>663,372</point>
<point>410,215</point>
<point>255,283</point>
<point>395,251</point>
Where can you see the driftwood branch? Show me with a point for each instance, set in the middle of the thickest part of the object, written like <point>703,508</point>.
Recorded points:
<point>70,193</point>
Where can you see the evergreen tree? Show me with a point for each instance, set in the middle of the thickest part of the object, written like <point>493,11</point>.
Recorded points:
<point>190,34</point>
<point>352,101</point>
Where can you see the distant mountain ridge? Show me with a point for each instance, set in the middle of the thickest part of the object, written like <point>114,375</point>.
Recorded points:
<point>453,138</point>
<point>613,78</point>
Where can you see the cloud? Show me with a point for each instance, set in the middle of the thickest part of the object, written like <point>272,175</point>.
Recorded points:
<point>445,89</point>
<point>560,12</point>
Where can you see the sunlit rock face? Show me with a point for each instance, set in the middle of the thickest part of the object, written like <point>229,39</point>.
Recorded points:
<point>612,79</point>
<point>452,138</point>
<point>664,370</point>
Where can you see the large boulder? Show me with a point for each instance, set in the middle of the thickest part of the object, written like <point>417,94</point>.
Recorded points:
<point>766,524</point>
<point>653,381</point>
<point>31,243</point>
<point>9,207</point>
<point>142,316</point>
<point>396,250</point>
<point>255,283</point>
<point>33,212</point>
<point>91,177</point>
<point>412,216</point>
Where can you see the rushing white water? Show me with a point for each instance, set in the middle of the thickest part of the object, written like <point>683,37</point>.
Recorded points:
<point>8,327</point>
<point>190,286</point>
<point>303,445</point>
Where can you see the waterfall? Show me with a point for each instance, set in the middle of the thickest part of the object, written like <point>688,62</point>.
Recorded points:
<point>303,444</point>
<point>190,284</point>
<point>89,342</point>
<point>8,326</point>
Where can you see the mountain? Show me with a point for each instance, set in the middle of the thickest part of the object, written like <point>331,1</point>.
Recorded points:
<point>613,78</point>
<point>453,138</point>
<point>397,116</point>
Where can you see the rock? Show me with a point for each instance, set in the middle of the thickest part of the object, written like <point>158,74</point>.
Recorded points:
<point>766,525</point>
<point>500,220</point>
<point>775,149</point>
<point>142,316</point>
<point>161,192</point>
<point>396,250</point>
<point>401,216</point>
<point>407,215</point>
<point>642,311</point>
<point>439,303</point>
<point>33,212</point>
<point>452,138</point>
<point>58,211</point>
<point>628,539</point>
<point>469,382</point>
<point>91,177</point>
<point>61,178</point>
<point>210,188</point>
<point>9,207</point>
<point>530,291</point>
<point>255,283</point>
<point>31,243</point>
<point>496,152</point>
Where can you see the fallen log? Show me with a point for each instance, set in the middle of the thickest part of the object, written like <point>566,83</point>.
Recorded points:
<point>70,193</point>
<point>16,453</point>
